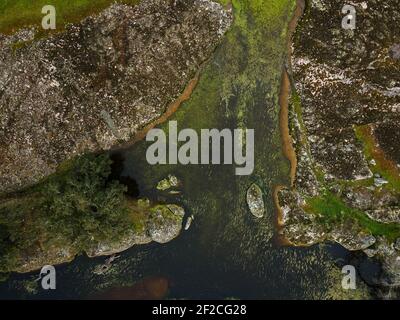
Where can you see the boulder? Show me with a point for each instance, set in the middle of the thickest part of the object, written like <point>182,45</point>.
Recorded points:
<point>165,222</point>
<point>255,201</point>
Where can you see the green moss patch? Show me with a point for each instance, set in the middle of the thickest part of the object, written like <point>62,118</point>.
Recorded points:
<point>331,210</point>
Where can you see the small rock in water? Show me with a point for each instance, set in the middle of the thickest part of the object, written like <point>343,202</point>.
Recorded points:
<point>104,268</point>
<point>370,252</point>
<point>170,182</point>
<point>189,222</point>
<point>255,201</point>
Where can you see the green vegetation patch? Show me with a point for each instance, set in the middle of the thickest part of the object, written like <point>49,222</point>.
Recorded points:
<point>332,210</point>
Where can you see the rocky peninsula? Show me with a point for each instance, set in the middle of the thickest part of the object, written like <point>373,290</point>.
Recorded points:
<point>343,119</point>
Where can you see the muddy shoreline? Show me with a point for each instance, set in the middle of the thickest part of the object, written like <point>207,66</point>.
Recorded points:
<point>287,142</point>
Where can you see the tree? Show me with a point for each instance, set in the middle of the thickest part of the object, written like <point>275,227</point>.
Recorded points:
<point>84,206</point>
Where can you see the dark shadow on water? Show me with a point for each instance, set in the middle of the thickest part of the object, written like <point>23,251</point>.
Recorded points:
<point>117,168</point>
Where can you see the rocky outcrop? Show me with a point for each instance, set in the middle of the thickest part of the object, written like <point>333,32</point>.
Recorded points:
<point>170,182</point>
<point>165,223</point>
<point>159,223</point>
<point>56,254</point>
<point>344,121</point>
<point>162,224</point>
<point>97,83</point>
<point>345,78</point>
<point>385,215</point>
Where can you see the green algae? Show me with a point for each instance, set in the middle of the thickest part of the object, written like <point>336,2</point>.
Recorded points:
<point>239,87</point>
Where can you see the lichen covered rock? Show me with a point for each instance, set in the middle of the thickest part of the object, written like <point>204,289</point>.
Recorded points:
<point>165,223</point>
<point>170,182</point>
<point>255,201</point>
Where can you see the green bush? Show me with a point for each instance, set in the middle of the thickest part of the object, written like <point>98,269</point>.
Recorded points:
<point>84,206</point>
